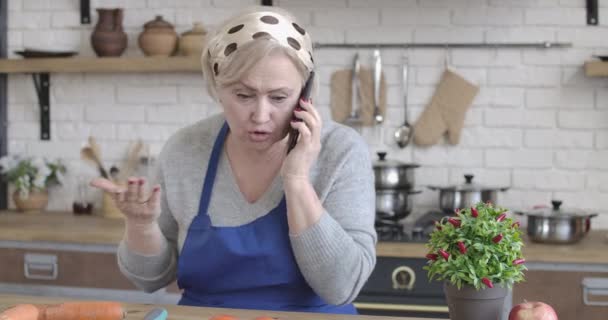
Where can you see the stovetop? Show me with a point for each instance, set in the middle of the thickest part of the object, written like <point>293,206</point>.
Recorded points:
<point>417,231</point>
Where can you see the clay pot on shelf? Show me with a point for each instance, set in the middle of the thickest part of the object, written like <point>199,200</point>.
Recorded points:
<point>108,38</point>
<point>158,38</point>
<point>191,42</point>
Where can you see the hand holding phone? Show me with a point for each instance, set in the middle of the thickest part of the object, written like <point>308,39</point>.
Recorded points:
<point>304,95</point>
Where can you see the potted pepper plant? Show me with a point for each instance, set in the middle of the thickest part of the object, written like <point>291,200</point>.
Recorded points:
<point>477,253</point>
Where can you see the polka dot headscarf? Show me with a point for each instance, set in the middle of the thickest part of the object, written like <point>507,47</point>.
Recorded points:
<point>252,26</point>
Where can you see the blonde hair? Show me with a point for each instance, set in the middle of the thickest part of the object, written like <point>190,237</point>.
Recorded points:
<point>247,56</point>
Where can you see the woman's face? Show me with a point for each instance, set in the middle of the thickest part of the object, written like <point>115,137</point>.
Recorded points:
<point>259,107</point>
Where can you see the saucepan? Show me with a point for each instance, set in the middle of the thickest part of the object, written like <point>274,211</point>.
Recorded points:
<point>557,225</point>
<point>465,195</point>
<point>393,174</point>
<point>394,204</point>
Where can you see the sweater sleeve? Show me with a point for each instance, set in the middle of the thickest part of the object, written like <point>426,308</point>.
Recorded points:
<point>337,254</point>
<point>153,272</point>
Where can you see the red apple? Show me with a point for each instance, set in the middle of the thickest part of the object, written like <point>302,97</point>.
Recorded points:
<point>532,310</point>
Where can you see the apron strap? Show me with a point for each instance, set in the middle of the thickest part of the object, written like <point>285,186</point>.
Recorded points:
<point>212,168</point>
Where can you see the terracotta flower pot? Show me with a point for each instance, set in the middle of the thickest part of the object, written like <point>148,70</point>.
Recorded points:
<point>35,202</point>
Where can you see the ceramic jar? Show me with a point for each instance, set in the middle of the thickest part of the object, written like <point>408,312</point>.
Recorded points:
<point>158,38</point>
<point>191,42</point>
<point>35,202</point>
<point>108,38</point>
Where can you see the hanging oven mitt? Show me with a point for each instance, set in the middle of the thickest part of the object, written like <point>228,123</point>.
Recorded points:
<point>341,96</point>
<point>446,111</point>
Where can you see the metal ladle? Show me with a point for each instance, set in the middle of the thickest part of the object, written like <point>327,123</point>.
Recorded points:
<point>403,134</point>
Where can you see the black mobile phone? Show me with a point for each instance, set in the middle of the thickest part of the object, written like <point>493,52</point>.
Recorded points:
<point>305,95</point>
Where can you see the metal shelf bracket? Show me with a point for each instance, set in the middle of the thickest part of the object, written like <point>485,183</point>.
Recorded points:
<point>85,11</point>
<point>42,82</point>
<point>592,13</point>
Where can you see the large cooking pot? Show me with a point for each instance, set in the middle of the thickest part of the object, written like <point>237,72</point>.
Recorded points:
<point>465,195</point>
<point>557,225</point>
<point>393,174</point>
<point>394,204</point>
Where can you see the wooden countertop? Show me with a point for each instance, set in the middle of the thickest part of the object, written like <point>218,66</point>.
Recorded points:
<point>62,227</point>
<point>137,311</point>
<point>67,228</point>
<point>590,250</point>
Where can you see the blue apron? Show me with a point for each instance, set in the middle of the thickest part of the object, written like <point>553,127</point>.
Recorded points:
<point>246,267</point>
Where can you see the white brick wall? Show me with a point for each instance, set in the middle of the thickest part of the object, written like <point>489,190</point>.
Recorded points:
<point>538,125</point>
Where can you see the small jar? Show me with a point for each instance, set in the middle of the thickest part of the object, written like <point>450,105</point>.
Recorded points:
<point>158,38</point>
<point>191,42</point>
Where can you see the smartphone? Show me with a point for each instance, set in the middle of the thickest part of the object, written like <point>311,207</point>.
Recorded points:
<point>305,95</point>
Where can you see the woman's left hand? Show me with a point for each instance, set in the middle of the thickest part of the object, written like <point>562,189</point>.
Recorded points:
<point>298,162</point>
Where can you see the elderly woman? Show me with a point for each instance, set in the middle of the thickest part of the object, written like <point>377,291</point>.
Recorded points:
<point>238,220</point>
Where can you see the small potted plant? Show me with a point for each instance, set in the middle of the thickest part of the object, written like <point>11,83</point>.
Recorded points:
<point>477,253</point>
<point>31,178</point>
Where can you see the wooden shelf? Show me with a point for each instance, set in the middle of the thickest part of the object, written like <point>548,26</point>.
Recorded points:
<point>135,64</point>
<point>596,69</point>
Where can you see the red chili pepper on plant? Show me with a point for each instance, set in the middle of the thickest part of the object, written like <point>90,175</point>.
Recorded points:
<point>432,256</point>
<point>457,211</point>
<point>515,224</point>
<point>438,226</point>
<point>497,238</point>
<point>454,222</point>
<point>501,217</point>
<point>487,282</point>
<point>444,254</point>
<point>462,247</point>
<point>518,261</point>
<point>474,212</point>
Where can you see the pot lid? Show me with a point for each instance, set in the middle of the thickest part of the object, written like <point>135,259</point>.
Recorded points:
<point>468,185</point>
<point>198,29</point>
<point>158,22</point>
<point>557,211</point>
<point>382,162</point>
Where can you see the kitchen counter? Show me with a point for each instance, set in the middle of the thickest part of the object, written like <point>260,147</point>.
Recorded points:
<point>64,227</point>
<point>137,311</point>
<point>590,250</point>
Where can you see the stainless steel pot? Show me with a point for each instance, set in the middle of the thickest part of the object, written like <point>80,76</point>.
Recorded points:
<point>392,174</point>
<point>394,204</point>
<point>465,195</point>
<point>557,225</point>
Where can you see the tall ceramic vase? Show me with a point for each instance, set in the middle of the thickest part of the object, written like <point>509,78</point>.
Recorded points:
<point>108,38</point>
<point>471,304</point>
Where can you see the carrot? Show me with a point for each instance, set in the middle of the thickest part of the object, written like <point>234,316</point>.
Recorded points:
<point>223,317</point>
<point>83,310</point>
<point>21,312</point>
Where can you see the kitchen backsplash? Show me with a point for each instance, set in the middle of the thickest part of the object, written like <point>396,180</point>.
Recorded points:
<point>537,125</point>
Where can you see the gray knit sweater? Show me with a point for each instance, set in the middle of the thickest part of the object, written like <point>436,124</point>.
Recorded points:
<point>335,256</point>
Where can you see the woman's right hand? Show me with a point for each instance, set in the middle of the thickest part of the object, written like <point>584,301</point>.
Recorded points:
<point>139,207</point>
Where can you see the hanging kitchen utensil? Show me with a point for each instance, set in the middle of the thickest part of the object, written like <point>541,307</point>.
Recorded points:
<point>378,118</point>
<point>403,135</point>
<point>557,225</point>
<point>341,89</point>
<point>465,195</point>
<point>354,119</point>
